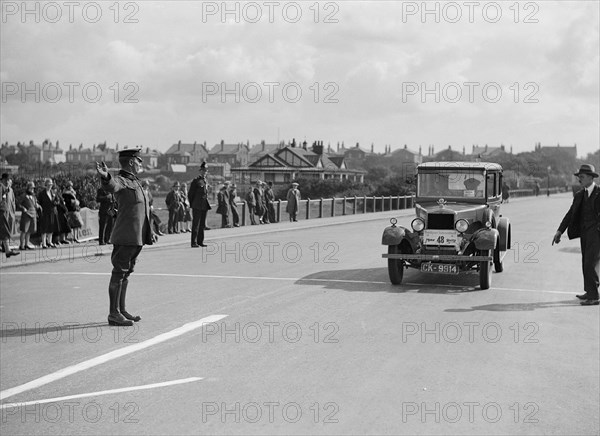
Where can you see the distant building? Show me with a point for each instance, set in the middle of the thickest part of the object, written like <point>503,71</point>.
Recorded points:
<point>259,150</point>
<point>486,152</point>
<point>293,162</point>
<point>233,154</point>
<point>557,151</point>
<point>182,153</point>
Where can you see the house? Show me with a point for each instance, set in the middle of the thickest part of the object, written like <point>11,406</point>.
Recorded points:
<point>233,154</point>
<point>557,151</point>
<point>293,162</point>
<point>259,150</point>
<point>486,153</point>
<point>182,153</point>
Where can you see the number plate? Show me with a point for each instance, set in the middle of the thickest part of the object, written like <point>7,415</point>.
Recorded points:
<point>443,268</point>
<point>440,237</point>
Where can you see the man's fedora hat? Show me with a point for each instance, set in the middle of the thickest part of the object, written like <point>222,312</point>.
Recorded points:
<point>588,170</point>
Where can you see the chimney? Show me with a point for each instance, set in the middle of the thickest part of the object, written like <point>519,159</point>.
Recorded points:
<point>93,147</point>
<point>357,145</point>
<point>304,144</point>
<point>464,152</point>
<point>31,142</point>
<point>70,147</point>
<point>294,143</point>
<point>80,146</point>
<point>419,150</point>
<point>147,150</point>
<point>486,148</point>
<point>405,147</point>
<point>57,144</point>
<point>117,147</point>
<point>317,148</point>
<point>372,147</point>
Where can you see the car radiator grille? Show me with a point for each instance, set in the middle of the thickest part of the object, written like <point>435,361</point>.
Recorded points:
<point>440,221</point>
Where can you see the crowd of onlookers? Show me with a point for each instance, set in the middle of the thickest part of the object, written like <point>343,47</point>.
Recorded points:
<point>52,213</point>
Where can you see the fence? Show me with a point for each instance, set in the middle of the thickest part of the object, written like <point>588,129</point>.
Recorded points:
<point>330,207</point>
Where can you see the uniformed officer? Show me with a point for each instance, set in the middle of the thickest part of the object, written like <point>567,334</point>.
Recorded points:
<point>583,221</point>
<point>198,198</point>
<point>131,230</point>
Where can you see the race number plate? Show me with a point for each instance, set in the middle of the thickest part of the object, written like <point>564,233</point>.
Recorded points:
<point>440,237</point>
<point>443,268</point>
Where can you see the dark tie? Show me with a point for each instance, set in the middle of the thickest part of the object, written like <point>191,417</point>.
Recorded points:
<point>585,194</point>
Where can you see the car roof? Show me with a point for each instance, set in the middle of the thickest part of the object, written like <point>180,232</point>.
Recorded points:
<point>461,165</point>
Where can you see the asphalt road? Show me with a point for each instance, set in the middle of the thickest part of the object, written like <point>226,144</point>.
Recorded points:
<point>295,329</point>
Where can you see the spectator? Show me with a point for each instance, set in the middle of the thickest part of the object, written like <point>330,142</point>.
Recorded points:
<point>260,201</point>
<point>197,197</point>
<point>29,215</point>
<point>72,204</point>
<point>232,202</point>
<point>251,202</point>
<point>62,228</point>
<point>47,201</point>
<point>106,215</point>
<point>223,206</point>
<point>270,201</point>
<point>8,209</point>
<point>173,204</point>
<point>293,202</point>
<point>185,214</point>
<point>154,218</point>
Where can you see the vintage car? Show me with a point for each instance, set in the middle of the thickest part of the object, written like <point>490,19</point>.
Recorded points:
<point>458,228</point>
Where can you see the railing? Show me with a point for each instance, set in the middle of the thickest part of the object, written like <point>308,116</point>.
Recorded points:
<point>330,207</point>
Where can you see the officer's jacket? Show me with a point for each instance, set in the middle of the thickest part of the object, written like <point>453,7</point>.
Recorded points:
<point>197,195</point>
<point>132,226</point>
<point>572,220</point>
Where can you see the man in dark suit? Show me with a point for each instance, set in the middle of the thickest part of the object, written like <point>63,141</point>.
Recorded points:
<point>131,231</point>
<point>583,221</point>
<point>173,204</point>
<point>106,214</point>
<point>197,196</point>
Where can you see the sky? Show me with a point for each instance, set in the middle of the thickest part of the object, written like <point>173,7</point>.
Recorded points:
<point>152,73</point>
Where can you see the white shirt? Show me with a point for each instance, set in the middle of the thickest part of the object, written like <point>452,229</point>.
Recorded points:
<point>590,189</point>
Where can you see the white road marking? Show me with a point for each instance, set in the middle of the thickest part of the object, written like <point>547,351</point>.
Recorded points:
<point>108,392</point>
<point>87,364</point>
<point>295,279</point>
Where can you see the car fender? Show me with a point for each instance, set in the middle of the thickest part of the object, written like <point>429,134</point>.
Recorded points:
<point>485,239</point>
<point>393,235</point>
<point>504,232</point>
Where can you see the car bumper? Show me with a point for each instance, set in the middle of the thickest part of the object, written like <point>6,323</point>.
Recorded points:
<point>438,258</point>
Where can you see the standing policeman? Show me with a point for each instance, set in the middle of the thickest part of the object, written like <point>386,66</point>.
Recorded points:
<point>583,220</point>
<point>197,196</point>
<point>131,231</point>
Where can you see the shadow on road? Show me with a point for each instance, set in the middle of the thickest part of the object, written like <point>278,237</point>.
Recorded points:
<point>519,307</point>
<point>377,280</point>
<point>11,330</point>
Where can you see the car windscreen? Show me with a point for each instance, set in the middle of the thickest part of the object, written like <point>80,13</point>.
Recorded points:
<point>451,183</point>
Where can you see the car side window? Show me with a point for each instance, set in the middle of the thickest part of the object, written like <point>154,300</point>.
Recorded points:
<point>491,185</point>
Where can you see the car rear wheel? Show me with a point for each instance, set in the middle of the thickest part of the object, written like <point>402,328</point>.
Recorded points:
<point>395,266</point>
<point>485,271</point>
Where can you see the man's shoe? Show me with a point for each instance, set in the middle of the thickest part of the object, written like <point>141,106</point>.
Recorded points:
<point>119,320</point>
<point>590,302</point>
<point>582,296</point>
<point>160,234</point>
<point>195,246</point>
<point>206,228</point>
<point>12,253</point>
<point>203,245</point>
<point>130,317</point>
<point>101,243</point>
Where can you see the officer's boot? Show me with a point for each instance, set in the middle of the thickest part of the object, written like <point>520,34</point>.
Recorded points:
<point>114,316</point>
<point>122,303</point>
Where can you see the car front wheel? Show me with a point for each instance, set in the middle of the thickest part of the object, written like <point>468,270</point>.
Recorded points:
<point>395,266</point>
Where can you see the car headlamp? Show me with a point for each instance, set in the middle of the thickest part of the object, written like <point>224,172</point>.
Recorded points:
<point>461,226</point>
<point>417,224</point>
<point>393,221</point>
